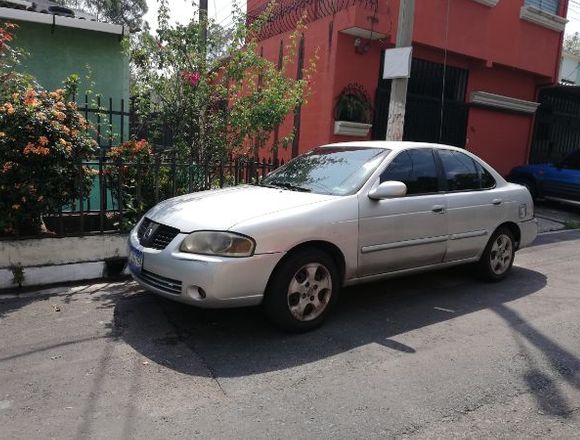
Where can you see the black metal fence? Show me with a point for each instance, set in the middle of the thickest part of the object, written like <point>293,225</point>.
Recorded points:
<point>557,124</point>
<point>122,191</point>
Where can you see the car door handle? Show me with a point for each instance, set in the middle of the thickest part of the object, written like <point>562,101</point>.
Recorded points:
<point>438,209</point>
<point>497,201</point>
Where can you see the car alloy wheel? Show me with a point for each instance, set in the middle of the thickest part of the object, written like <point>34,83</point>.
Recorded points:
<point>309,292</point>
<point>302,290</point>
<point>501,254</point>
<point>498,256</point>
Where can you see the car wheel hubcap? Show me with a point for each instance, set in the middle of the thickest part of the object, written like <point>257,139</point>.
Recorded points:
<point>309,292</point>
<point>501,254</point>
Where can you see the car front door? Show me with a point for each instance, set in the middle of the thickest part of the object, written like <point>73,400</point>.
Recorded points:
<point>563,181</point>
<point>473,207</point>
<point>405,232</point>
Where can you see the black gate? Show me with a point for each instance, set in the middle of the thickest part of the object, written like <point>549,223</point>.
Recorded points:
<point>557,127</point>
<point>428,117</point>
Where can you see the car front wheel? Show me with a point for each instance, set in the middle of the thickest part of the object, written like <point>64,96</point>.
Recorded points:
<point>498,256</point>
<point>302,290</point>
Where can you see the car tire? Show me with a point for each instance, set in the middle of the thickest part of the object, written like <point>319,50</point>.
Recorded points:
<point>498,257</point>
<point>302,290</point>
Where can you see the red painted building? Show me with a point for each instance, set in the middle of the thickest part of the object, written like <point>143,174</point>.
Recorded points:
<point>478,66</point>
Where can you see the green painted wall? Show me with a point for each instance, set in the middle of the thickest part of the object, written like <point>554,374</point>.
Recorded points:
<point>55,55</point>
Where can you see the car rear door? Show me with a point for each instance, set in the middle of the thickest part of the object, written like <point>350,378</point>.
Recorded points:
<point>473,206</point>
<point>406,232</point>
<point>563,181</point>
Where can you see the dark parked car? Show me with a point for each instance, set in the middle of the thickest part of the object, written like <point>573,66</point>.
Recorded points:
<point>559,182</point>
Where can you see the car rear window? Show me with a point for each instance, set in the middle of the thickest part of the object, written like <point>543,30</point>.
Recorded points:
<point>463,173</point>
<point>415,168</point>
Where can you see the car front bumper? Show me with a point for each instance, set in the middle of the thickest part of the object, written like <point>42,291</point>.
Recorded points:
<point>528,232</point>
<point>201,280</point>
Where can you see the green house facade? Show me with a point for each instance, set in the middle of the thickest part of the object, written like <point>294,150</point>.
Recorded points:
<point>59,46</point>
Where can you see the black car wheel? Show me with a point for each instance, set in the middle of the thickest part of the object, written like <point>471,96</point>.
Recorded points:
<point>302,290</point>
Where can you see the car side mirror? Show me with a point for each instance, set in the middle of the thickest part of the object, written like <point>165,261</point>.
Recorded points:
<point>391,189</point>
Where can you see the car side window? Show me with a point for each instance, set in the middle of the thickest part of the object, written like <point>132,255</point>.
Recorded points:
<point>460,171</point>
<point>572,161</point>
<point>415,168</point>
<point>485,178</point>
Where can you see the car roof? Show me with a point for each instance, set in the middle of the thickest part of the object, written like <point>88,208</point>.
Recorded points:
<point>392,145</point>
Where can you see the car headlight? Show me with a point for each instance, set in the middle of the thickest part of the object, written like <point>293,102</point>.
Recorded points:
<point>223,244</point>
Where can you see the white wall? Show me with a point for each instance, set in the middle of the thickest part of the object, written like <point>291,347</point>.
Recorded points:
<point>570,69</point>
<point>55,260</point>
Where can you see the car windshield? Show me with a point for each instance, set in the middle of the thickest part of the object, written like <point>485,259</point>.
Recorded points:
<point>328,170</point>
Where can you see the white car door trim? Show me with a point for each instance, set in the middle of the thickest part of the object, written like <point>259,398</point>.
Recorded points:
<point>401,244</point>
<point>469,234</point>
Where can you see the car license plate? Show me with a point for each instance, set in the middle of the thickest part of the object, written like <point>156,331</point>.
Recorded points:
<point>135,260</point>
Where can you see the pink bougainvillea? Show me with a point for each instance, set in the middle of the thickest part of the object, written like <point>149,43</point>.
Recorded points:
<point>192,78</point>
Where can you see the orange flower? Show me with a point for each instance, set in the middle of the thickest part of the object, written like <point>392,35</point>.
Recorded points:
<point>115,152</point>
<point>7,167</point>
<point>41,116</point>
<point>34,149</point>
<point>30,98</point>
<point>43,140</point>
<point>2,134</point>
<point>140,146</point>
<point>60,116</point>
<point>8,108</point>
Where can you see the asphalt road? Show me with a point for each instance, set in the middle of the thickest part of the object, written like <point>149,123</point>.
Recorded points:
<point>426,357</point>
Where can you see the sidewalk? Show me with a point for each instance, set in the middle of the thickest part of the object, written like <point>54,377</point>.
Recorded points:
<point>555,217</point>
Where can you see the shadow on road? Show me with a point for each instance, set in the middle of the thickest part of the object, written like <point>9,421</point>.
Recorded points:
<point>232,343</point>
<point>545,390</point>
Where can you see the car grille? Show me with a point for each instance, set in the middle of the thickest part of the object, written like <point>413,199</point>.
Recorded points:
<point>155,235</point>
<point>165,284</point>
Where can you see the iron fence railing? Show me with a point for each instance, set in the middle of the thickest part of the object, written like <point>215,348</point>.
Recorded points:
<point>122,191</point>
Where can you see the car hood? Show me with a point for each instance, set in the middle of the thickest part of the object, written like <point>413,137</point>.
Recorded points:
<point>223,208</point>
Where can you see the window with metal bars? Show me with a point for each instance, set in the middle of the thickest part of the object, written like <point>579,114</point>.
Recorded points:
<point>551,6</point>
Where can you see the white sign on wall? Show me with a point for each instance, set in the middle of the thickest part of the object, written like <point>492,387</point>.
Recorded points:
<point>398,63</point>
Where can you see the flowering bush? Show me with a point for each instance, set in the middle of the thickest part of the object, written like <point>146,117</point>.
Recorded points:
<point>210,88</point>
<point>131,171</point>
<point>43,141</point>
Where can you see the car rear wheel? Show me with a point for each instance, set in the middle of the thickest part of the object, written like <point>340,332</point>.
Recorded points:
<point>302,291</point>
<point>498,256</point>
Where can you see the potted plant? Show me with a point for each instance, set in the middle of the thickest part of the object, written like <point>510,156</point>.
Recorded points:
<point>353,112</point>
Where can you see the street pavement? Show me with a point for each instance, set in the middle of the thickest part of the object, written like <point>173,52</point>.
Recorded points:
<point>435,356</point>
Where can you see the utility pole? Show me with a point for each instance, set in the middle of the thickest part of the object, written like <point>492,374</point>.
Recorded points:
<point>203,22</point>
<point>398,101</point>
<point>203,67</point>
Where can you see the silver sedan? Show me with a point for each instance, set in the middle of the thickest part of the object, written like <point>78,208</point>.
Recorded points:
<point>339,215</point>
